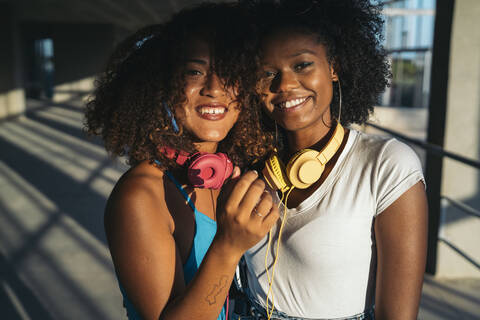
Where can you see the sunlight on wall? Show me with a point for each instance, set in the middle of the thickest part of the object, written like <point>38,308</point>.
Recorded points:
<point>12,103</point>
<point>66,91</point>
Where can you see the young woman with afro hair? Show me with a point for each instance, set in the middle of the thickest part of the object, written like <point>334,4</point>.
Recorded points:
<point>351,242</point>
<point>176,100</point>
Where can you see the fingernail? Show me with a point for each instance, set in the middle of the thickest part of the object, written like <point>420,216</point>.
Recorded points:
<point>255,172</point>
<point>236,172</point>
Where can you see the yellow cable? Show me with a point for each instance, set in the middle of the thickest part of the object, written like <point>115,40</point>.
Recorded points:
<point>269,245</point>
<point>270,236</point>
<point>270,281</point>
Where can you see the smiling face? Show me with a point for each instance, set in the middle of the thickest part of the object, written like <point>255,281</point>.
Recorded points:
<point>297,84</point>
<point>209,111</point>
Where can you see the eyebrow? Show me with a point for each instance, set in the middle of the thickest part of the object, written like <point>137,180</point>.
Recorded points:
<point>199,61</point>
<point>303,52</point>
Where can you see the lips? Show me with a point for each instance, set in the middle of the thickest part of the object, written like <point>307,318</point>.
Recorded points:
<point>291,104</point>
<point>212,111</point>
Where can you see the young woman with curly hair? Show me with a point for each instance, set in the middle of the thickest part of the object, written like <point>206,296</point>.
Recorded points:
<point>173,96</point>
<point>352,244</point>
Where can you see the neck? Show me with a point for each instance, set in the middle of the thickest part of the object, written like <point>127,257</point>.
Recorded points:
<point>210,147</point>
<point>310,137</point>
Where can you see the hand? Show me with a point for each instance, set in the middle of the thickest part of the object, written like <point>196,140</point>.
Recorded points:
<point>245,212</point>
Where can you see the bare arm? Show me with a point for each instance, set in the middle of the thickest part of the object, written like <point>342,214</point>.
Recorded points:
<point>401,235</point>
<point>146,257</point>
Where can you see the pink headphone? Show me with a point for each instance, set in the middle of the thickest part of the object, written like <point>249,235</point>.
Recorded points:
<point>205,170</point>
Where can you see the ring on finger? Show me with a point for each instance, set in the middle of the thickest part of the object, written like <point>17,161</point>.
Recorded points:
<point>257,213</point>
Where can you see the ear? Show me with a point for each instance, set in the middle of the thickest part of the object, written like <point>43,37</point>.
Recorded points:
<point>333,74</point>
<point>333,71</point>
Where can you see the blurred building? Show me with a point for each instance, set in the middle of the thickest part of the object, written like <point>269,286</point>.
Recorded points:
<point>409,39</point>
<point>433,103</point>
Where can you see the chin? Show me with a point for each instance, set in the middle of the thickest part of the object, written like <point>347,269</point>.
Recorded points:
<point>211,137</point>
<point>289,124</point>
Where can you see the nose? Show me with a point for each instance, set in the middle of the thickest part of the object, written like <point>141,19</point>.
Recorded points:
<point>284,82</point>
<point>213,86</point>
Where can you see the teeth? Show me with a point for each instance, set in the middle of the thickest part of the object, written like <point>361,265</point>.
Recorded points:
<point>211,110</point>
<point>291,103</point>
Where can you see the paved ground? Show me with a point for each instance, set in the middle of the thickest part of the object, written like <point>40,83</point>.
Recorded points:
<point>450,299</point>
<point>54,263</point>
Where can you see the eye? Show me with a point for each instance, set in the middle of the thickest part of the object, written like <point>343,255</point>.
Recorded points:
<point>193,72</point>
<point>269,74</point>
<point>302,65</point>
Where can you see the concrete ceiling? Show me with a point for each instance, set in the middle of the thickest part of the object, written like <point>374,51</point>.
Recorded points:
<point>127,14</point>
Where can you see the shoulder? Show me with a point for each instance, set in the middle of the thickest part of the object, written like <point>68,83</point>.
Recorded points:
<point>142,182</point>
<point>137,198</point>
<point>386,152</point>
<point>395,167</point>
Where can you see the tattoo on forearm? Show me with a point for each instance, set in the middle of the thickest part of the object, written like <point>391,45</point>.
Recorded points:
<point>216,290</point>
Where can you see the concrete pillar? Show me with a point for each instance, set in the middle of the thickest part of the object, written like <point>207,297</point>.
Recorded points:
<point>81,52</point>
<point>462,136</point>
<point>12,97</point>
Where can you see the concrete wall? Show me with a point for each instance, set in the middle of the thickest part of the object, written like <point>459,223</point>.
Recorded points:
<point>12,99</point>
<point>80,58</point>
<point>80,53</point>
<point>462,136</point>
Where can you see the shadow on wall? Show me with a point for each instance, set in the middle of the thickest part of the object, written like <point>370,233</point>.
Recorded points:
<point>49,60</point>
<point>54,259</point>
<point>460,214</point>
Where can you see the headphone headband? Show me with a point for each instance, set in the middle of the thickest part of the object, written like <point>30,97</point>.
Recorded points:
<point>332,146</point>
<point>304,168</point>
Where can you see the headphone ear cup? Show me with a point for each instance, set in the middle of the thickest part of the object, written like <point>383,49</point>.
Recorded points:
<point>207,170</point>
<point>304,169</point>
<point>274,174</point>
<point>228,165</point>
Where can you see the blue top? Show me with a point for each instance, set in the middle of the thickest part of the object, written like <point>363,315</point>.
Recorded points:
<point>205,229</point>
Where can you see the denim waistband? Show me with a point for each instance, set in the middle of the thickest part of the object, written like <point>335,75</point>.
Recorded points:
<point>257,312</point>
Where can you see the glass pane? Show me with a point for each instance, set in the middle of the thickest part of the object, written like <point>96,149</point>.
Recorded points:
<point>408,34</point>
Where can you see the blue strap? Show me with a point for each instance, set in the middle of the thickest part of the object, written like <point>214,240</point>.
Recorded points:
<point>182,191</point>
<point>172,118</point>
<point>180,188</point>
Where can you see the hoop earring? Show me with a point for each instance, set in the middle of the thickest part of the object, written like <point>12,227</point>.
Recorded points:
<point>276,134</point>
<point>172,118</point>
<point>339,100</point>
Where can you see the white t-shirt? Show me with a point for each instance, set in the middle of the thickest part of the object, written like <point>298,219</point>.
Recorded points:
<point>327,262</point>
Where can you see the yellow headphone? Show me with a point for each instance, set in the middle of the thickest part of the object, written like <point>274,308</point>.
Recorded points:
<point>304,168</point>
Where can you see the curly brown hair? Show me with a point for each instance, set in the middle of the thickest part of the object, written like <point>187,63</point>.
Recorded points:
<point>146,70</point>
<point>351,31</point>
